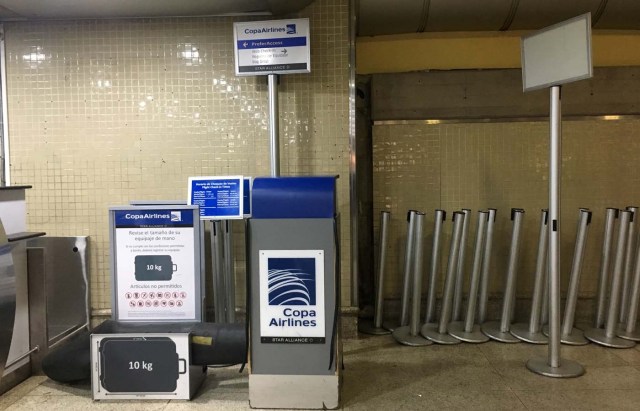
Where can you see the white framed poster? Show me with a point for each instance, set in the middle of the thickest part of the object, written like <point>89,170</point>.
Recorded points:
<point>292,297</point>
<point>156,271</point>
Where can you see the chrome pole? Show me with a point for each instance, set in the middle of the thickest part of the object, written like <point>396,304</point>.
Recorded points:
<point>629,331</point>
<point>607,336</point>
<point>274,125</point>
<point>409,335</point>
<point>628,265</point>
<point>457,294</point>
<point>375,327</point>
<point>531,332</point>
<point>495,330</point>
<point>409,255</point>
<point>437,332</point>
<point>569,334</point>
<point>467,331</point>
<point>553,365</point>
<point>430,315</point>
<point>483,298</point>
<point>605,265</point>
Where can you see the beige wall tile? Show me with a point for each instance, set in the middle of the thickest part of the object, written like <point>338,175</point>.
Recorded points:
<point>504,165</point>
<point>102,112</point>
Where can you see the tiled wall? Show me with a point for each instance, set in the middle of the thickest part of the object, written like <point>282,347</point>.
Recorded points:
<point>102,112</point>
<point>504,165</point>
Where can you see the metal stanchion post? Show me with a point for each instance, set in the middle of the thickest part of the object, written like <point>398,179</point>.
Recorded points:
<point>544,315</point>
<point>531,332</point>
<point>483,297</point>
<point>629,332</point>
<point>569,334</point>
<point>467,331</point>
<point>607,336</point>
<point>605,266</point>
<point>628,265</point>
<point>375,327</point>
<point>495,330</point>
<point>458,294</point>
<point>553,365</point>
<point>438,332</point>
<point>430,315</point>
<point>406,275</point>
<point>410,335</point>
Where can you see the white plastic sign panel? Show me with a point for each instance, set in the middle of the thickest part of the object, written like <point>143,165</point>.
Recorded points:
<point>219,198</point>
<point>272,47</point>
<point>292,297</point>
<point>557,54</point>
<point>156,264</point>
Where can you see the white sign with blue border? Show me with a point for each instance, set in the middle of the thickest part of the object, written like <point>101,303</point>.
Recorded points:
<point>272,47</point>
<point>292,297</point>
<point>219,197</point>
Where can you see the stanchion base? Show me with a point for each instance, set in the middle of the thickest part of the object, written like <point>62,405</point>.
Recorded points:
<point>368,327</point>
<point>521,332</point>
<point>492,330</point>
<point>632,336</point>
<point>430,331</point>
<point>566,368</point>
<point>456,329</point>
<point>576,337</point>
<point>390,325</point>
<point>403,336</point>
<point>598,336</point>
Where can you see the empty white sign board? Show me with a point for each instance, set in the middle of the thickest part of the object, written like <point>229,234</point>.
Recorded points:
<point>557,54</point>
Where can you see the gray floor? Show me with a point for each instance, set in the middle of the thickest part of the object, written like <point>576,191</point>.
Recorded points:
<point>380,374</point>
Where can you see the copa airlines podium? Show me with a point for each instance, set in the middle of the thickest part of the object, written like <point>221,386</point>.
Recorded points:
<point>294,294</point>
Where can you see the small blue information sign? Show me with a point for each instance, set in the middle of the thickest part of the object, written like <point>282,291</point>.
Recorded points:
<point>219,197</point>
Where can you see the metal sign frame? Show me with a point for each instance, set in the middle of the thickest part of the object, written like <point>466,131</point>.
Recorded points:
<point>198,267</point>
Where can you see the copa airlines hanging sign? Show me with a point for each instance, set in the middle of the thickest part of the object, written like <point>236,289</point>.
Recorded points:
<point>272,47</point>
<point>292,296</point>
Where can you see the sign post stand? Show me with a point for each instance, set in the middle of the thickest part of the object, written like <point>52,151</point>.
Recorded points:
<point>568,42</point>
<point>271,48</point>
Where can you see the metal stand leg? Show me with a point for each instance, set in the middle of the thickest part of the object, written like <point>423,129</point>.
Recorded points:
<point>607,336</point>
<point>375,327</point>
<point>406,275</point>
<point>430,315</point>
<point>217,254</point>
<point>628,265</point>
<point>531,332</point>
<point>438,332</point>
<point>553,365</point>
<point>569,334</point>
<point>467,331</point>
<point>483,298</point>
<point>605,266</point>
<point>629,331</point>
<point>495,330</point>
<point>409,335</point>
<point>229,272</point>
<point>457,294</point>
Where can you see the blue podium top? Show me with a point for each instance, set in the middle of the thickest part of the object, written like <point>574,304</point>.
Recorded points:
<point>294,197</point>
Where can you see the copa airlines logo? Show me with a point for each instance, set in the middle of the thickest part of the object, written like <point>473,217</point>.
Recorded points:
<point>292,281</point>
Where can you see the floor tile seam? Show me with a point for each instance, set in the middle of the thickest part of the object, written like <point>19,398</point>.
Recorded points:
<point>22,396</point>
<point>519,399</point>
<point>615,353</point>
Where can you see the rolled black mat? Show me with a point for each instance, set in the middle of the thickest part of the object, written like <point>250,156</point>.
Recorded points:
<point>211,344</point>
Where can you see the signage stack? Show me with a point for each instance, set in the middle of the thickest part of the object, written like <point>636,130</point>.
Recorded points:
<point>156,271</point>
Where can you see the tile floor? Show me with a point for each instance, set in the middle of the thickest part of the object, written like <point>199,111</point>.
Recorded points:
<point>380,374</point>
